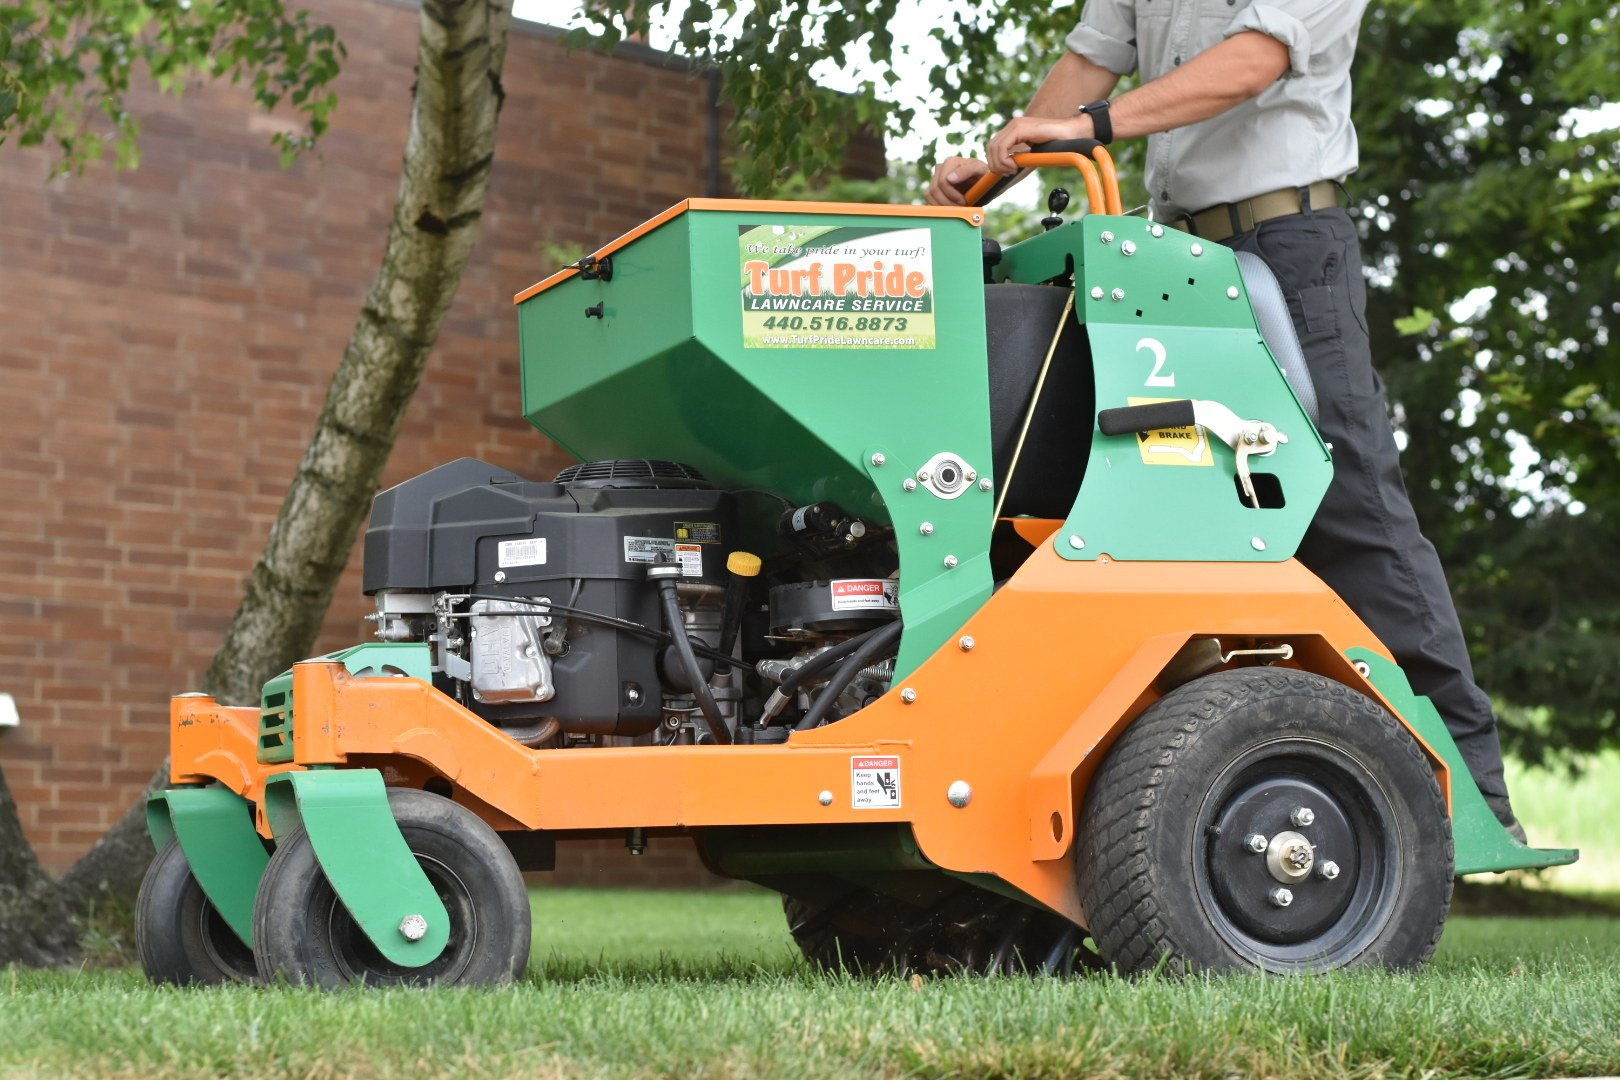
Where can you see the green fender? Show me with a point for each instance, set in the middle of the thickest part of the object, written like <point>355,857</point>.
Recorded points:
<point>1483,845</point>
<point>215,828</point>
<point>363,854</point>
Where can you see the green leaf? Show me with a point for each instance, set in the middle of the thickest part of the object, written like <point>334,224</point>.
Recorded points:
<point>1421,321</point>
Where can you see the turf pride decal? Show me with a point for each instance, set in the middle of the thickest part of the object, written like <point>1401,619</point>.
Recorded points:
<point>836,287</point>
<point>1172,446</point>
<point>874,783</point>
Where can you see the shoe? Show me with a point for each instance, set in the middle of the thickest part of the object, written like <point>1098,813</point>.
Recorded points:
<point>1503,809</point>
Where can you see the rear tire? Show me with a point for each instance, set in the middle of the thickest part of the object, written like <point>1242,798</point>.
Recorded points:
<point>181,937</point>
<point>1165,871</point>
<point>303,933</point>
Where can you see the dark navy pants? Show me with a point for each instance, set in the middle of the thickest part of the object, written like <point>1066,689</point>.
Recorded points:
<point>1365,541</point>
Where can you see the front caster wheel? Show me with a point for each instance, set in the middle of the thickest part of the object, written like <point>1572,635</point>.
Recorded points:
<point>1265,818</point>
<point>303,933</point>
<point>180,935</point>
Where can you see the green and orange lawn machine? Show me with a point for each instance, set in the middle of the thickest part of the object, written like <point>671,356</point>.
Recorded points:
<point>946,589</point>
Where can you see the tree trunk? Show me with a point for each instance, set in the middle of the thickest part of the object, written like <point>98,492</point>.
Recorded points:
<point>445,179</point>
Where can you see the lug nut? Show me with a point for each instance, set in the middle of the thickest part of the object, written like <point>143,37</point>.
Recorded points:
<point>1328,870</point>
<point>1255,843</point>
<point>1281,897</point>
<point>1302,816</point>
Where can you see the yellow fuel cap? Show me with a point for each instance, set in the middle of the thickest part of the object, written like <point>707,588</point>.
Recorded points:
<point>744,563</point>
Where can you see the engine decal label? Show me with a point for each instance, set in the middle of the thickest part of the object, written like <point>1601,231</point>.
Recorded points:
<point>530,552</point>
<point>836,287</point>
<point>1172,446</point>
<point>874,783</point>
<point>864,594</point>
<point>698,532</point>
<point>655,549</point>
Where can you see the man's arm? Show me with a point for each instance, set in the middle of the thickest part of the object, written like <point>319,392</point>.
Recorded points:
<point>1210,83</point>
<point>1073,81</point>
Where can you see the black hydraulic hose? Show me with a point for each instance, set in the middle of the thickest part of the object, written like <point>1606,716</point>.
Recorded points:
<point>824,660</point>
<point>616,623</point>
<point>732,613</point>
<point>694,675</point>
<point>873,647</point>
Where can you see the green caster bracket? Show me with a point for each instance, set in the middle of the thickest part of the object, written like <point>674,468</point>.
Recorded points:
<point>215,828</point>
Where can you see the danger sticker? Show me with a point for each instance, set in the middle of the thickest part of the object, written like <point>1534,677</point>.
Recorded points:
<point>690,557</point>
<point>857,594</point>
<point>531,552</point>
<point>1172,446</point>
<point>874,783</point>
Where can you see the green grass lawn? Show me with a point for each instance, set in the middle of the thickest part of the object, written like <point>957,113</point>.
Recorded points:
<point>708,985</point>
<point>640,983</point>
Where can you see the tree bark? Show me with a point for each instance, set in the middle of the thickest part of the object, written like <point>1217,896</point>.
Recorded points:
<point>445,179</point>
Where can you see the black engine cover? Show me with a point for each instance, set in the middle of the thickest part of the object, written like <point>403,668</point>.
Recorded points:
<point>472,527</point>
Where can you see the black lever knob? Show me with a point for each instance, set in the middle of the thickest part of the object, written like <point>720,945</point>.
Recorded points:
<point>1055,202</point>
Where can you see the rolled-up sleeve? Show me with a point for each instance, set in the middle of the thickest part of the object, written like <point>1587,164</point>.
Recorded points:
<point>1296,22</point>
<point>1107,35</point>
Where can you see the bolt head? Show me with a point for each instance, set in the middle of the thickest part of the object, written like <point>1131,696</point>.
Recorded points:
<point>950,562</point>
<point>632,695</point>
<point>972,476</point>
<point>1328,870</point>
<point>908,484</point>
<point>1302,816</point>
<point>967,643</point>
<point>984,485</point>
<point>926,528</point>
<point>959,794</point>
<point>879,459</point>
<point>1255,843</point>
<point>908,695</point>
<point>1257,543</point>
<point>1077,541</point>
<point>413,928</point>
<point>1118,294</point>
<point>1096,292</point>
<point>1156,231</point>
<point>1231,292</point>
<point>500,576</point>
<point>825,798</point>
<point>1107,237</point>
<point>1197,250</point>
<point>1127,248</point>
<point>923,474</point>
<point>1281,897</point>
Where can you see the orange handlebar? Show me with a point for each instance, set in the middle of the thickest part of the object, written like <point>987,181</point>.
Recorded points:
<point>1102,182</point>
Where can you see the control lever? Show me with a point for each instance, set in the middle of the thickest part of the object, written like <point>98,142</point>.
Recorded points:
<point>1247,438</point>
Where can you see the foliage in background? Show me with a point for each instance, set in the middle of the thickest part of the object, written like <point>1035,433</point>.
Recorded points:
<point>65,66</point>
<point>1489,202</point>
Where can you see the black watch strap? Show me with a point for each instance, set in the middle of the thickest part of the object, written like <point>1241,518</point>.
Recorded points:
<point>1102,126</point>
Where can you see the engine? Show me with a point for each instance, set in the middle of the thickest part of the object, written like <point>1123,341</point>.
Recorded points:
<point>618,605</point>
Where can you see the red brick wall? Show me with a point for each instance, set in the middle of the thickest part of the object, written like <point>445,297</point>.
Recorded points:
<point>167,338</point>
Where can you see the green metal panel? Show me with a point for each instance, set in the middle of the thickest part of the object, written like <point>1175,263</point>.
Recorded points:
<point>364,856</point>
<point>371,659</point>
<point>666,373</point>
<point>215,828</point>
<point>1483,845</point>
<point>1163,324</point>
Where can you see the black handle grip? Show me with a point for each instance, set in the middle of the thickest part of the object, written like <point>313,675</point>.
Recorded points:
<point>1067,146</point>
<point>1133,418</point>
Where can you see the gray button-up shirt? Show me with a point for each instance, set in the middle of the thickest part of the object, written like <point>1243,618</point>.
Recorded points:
<point>1293,133</point>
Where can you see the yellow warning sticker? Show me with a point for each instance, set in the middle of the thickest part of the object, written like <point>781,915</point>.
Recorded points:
<point>1172,446</point>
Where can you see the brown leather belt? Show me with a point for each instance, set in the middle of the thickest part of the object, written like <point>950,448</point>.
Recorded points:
<point>1226,220</point>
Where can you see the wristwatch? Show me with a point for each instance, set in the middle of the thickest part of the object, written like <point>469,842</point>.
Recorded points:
<point>1102,127</point>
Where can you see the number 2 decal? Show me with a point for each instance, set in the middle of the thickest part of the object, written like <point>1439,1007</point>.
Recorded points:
<point>1156,347</point>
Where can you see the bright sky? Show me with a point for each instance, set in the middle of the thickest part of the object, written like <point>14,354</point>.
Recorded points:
<point>917,54</point>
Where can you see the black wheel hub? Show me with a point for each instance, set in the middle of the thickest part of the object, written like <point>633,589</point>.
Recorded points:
<point>1262,867</point>
<point>361,961</point>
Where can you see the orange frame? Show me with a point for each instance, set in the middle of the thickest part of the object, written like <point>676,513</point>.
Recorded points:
<point>1022,705</point>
